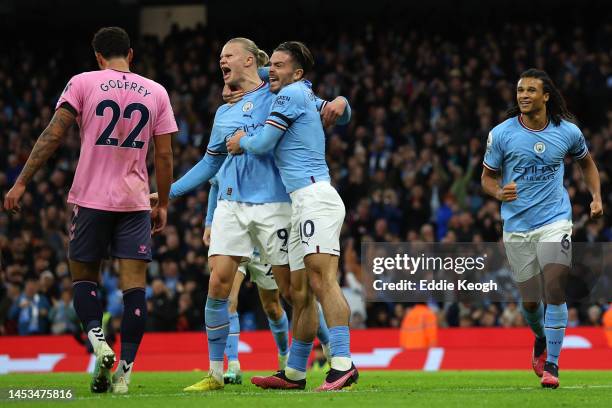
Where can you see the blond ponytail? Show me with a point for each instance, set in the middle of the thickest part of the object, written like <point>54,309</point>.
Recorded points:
<point>262,58</point>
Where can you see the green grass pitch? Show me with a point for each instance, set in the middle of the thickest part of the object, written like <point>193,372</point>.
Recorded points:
<point>466,389</point>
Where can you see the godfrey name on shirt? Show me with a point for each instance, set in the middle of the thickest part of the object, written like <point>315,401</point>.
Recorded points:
<point>125,85</point>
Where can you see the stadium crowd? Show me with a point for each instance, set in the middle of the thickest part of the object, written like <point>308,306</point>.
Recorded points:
<point>407,166</point>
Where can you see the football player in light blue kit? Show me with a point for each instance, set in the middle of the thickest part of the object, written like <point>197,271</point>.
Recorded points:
<point>253,207</point>
<point>294,132</point>
<point>527,151</point>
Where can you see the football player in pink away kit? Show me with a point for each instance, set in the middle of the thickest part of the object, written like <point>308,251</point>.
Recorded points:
<point>118,114</point>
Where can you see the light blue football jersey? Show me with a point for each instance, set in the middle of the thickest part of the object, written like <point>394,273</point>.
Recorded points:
<point>300,153</point>
<point>534,160</point>
<point>248,178</point>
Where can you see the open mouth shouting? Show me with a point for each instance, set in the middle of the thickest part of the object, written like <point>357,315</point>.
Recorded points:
<point>226,73</point>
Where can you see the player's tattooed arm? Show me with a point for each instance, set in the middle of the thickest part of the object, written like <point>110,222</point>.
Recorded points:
<point>44,147</point>
<point>592,180</point>
<point>47,143</point>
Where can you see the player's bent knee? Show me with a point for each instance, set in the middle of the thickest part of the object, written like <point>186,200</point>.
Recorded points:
<point>555,297</point>
<point>298,299</point>
<point>301,298</point>
<point>219,286</point>
<point>315,263</point>
<point>316,283</point>
<point>555,292</point>
<point>273,310</point>
<point>132,273</point>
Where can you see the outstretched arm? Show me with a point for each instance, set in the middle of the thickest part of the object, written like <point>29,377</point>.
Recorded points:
<point>203,171</point>
<point>591,178</point>
<point>45,146</point>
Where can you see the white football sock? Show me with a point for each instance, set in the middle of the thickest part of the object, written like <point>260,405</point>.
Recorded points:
<point>233,365</point>
<point>294,375</point>
<point>341,363</point>
<point>216,369</point>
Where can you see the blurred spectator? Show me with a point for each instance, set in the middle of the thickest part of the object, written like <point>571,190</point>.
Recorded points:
<point>10,294</point>
<point>170,275</point>
<point>62,315</point>
<point>486,317</point>
<point>189,318</point>
<point>607,323</point>
<point>419,328</point>
<point>572,317</point>
<point>511,316</point>
<point>31,310</point>
<point>161,307</point>
<point>594,315</point>
<point>47,285</point>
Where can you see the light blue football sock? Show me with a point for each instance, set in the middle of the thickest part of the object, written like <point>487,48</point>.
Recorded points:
<point>231,348</point>
<point>535,320</point>
<point>554,328</point>
<point>217,327</point>
<point>340,341</point>
<point>280,331</point>
<point>323,332</point>
<point>298,355</point>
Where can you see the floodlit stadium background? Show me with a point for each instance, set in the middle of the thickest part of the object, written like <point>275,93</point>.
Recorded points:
<point>426,83</point>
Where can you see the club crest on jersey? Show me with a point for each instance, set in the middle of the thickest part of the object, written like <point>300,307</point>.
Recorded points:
<point>539,147</point>
<point>247,106</point>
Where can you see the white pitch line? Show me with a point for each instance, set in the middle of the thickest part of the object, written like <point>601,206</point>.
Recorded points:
<point>358,391</point>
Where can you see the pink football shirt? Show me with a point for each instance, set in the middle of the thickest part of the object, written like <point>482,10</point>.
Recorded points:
<point>118,114</point>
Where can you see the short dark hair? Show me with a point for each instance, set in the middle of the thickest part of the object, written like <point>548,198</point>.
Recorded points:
<point>111,42</point>
<point>300,54</point>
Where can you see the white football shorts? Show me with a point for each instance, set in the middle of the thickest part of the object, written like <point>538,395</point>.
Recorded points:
<point>239,227</point>
<point>316,220</point>
<point>529,252</point>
